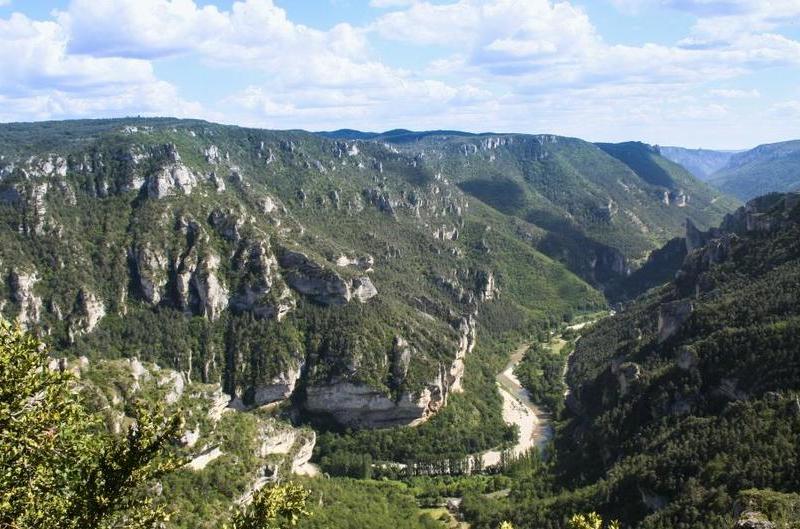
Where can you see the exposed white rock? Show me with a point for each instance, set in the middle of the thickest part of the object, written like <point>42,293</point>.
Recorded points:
<point>304,453</point>
<point>446,234</point>
<point>38,206</point>
<point>363,289</point>
<point>219,403</point>
<point>211,154</point>
<point>364,263</point>
<point>150,267</point>
<point>199,289</point>
<point>264,293</point>
<point>190,437</point>
<point>359,405</point>
<point>487,290</point>
<point>279,388</point>
<point>30,305</point>
<point>275,440</point>
<point>200,462</point>
<point>172,177</point>
<point>267,204</point>
<point>310,279</point>
<point>51,165</point>
<point>175,384</point>
<point>89,310</point>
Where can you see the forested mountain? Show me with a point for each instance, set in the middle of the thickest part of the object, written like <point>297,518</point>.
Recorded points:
<point>768,168</point>
<point>687,403</point>
<point>192,244</point>
<point>599,209</point>
<point>347,274</point>
<point>702,163</point>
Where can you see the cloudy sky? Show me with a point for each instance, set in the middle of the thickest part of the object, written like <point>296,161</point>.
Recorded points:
<point>697,73</point>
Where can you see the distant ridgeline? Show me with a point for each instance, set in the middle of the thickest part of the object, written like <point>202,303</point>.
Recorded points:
<point>769,168</point>
<point>691,394</point>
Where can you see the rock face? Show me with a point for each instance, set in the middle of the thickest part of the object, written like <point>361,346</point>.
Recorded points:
<point>30,305</point>
<point>211,295</point>
<point>359,405</point>
<point>279,388</point>
<point>323,286</point>
<point>150,271</point>
<point>671,316</point>
<point>172,177</point>
<point>363,289</point>
<point>89,310</point>
<point>753,520</point>
<point>261,291</point>
<point>697,239</point>
<point>487,290</point>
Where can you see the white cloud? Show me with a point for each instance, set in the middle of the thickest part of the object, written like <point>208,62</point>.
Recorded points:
<point>731,93</point>
<point>542,43</point>
<point>42,79</point>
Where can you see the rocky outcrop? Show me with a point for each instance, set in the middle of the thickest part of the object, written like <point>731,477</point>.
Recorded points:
<point>149,267</point>
<point>277,389</point>
<point>169,180</point>
<point>358,405</point>
<point>487,289</point>
<point>697,239</point>
<point>46,166</point>
<point>201,461</point>
<point>363,263</point>
<point>322,285</point>
<point>363,289</point>
<point>361,406</point>
<point>381,199</point>
<point>304,452</point>
<point>89,310</point>
<point>671,316</point>
<point>211,154</point>
<point>443,233</point>
<point>261,290</point>
<point>753,520</point>
<point>227,224</point>
<point>199,289</point>
<point>172,177</point>
<point>22,292</point>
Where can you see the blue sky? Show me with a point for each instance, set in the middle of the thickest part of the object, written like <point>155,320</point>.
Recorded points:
<point>697,73</point>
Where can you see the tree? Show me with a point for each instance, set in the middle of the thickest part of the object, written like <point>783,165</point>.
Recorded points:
<point>591,520</point>
<point>61,469</point>
<point>276,507</point>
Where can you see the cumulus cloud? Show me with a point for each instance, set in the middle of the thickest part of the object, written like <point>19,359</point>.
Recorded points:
<point>540,42</point>
<point>42,79</point>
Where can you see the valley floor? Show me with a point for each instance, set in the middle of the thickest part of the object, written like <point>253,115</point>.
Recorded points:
<point>533,422</point>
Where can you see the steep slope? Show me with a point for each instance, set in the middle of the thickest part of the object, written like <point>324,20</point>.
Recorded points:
<point>692,394</point>
<point>598,209</point>
<point>767,168</point>
<point>702,163</point>
<point>342,274</point>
